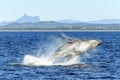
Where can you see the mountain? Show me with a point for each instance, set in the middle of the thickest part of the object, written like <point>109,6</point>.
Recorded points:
<point>24,19</point>
<point>28,19</point>
<point>68,21</point>
<point>105,21</point>
<point>4,23</point>
<point>35,19</point>
<point>41,24</point>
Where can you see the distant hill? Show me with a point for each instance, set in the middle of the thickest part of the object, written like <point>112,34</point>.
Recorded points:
<point>4,23</point>
<point>24,19</point>
<point>41,24</point>
<point>27,22</point>
<point>28,19</point>
<point>105,21</point>
<point>52,25</point>
<point>68,21</point>
<point>34,19</point>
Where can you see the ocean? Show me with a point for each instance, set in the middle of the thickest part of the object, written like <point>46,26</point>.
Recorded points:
<point>101,63</point>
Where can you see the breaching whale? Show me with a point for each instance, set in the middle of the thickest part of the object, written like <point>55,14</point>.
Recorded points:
<point>73,47</point>
<point>67,53</point>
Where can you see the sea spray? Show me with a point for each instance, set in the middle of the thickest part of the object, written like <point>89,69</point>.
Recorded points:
<point>30,60</point>
<point>42,57</point>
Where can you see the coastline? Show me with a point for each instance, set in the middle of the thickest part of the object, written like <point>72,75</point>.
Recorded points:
<point>59,30</point>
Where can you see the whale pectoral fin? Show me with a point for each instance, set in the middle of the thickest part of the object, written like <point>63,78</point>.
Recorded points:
<point>68,38</point>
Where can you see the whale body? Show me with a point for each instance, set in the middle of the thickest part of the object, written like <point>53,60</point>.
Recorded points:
<point>68,52</point>
<point>74,48</point>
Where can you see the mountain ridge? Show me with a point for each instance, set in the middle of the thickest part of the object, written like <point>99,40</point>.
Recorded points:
<point>23,19</point>
<point>68,21</point>
<point>28,19</point>
<point>34,19</point>
<point>105,21</point>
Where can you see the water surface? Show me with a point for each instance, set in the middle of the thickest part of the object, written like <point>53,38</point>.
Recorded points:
<point>102,63</point>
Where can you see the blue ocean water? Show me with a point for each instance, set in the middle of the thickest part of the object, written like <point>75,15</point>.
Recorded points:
<point>102,64</point>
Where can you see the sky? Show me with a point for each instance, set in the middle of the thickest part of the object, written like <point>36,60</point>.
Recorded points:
<point>82,10</point>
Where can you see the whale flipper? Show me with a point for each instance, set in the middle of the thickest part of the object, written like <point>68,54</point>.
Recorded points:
<point>69,39</point>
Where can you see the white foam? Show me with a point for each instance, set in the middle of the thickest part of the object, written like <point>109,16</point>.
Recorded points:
<point>30,60</point>
<point>36,61</point>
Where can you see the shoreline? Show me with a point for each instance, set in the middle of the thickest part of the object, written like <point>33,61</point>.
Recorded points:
<point>59,30</point>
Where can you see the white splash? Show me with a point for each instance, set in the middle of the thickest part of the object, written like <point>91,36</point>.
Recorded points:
<point>30,60</point>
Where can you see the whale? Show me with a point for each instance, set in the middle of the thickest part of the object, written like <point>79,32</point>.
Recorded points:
<point>73,48</point>
<point>65,54</point>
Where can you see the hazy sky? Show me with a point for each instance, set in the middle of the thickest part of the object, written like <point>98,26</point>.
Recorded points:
<point>83,10</point>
